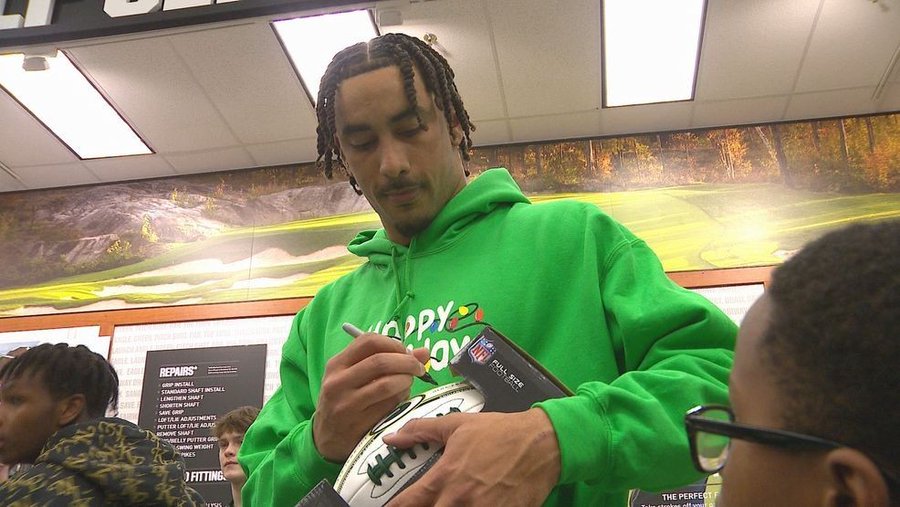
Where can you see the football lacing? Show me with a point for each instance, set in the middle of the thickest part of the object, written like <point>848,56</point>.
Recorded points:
<point>394,456</point>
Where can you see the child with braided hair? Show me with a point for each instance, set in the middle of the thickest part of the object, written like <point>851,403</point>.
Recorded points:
<point>53,404</point>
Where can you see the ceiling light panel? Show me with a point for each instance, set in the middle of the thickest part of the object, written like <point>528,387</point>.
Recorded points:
<point>312,42</point>
<point>650,50</point>
<point>69,105</point>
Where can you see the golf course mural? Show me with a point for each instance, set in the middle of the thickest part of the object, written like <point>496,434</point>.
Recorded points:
<point>702,199</point>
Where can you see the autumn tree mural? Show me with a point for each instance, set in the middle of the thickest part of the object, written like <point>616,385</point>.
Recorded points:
<point>841,155</point>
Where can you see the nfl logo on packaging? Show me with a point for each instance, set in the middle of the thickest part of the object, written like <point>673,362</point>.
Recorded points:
<point>482,350</point>
<point>510,379</point>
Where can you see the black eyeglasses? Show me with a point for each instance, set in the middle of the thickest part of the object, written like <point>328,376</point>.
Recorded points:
<point>711,427</point>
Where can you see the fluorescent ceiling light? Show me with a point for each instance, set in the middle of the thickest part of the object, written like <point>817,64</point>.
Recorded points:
<point>313,41</point>
<point>651,49</point>
<point>63,100</point>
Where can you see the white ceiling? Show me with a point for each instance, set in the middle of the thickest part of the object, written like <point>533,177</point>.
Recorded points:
<point>224,97</point>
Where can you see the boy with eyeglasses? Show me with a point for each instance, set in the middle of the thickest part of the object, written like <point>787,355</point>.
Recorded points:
<point>815,390</point>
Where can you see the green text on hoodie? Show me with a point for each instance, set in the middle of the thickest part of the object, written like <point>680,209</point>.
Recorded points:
<point>574,288</point>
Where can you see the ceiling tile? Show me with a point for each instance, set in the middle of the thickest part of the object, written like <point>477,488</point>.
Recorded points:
<point>491,132</point>
<point>293,151</point>
<point>9,184</point>
<point>60,175</point>
<point>248,77</point>
<point>646,118</point>
<point>549,53</point>
<point>464,39</point>
<point>890,98</point>
<point>564,126</point>
<point>834,103</point>
<point>738,112</point>
<point>151,86</point>
<point>129,168</point>
<point>746,53</point>
<point>852,45</point>
<point>223,159</point>
<point>895,75</point>
<point>25,141</point>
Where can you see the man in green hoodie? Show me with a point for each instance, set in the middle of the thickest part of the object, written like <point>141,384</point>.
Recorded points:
<point>572,287</point>
<point>53,399</point>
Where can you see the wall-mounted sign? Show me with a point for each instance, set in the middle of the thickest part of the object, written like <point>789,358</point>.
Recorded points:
<point>25,23</point>
<point>119,8</point>
<point>186,390</point>
<point>36,13</point>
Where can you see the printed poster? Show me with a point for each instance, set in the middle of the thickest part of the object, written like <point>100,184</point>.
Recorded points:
<point>186,390</point>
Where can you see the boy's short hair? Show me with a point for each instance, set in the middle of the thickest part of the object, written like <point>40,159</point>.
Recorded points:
<point>65,371</point>
<point>831,341</point>
<point>235,421</point>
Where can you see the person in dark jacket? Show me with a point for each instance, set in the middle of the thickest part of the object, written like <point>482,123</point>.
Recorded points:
<point>53,402</point>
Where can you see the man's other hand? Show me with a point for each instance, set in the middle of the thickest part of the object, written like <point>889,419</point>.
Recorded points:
<point>489,459</point>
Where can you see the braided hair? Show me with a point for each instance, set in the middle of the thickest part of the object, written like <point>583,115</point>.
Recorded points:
<point>67,370</point>
<point>408,54</point>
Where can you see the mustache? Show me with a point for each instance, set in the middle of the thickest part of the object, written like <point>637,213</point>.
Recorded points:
<point>398,185</point>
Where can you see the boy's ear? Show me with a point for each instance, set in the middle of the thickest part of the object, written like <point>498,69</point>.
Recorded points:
<point>70,409</point>
<point>854,480</point>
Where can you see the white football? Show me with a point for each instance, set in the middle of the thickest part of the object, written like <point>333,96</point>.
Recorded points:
<point>375,471</point>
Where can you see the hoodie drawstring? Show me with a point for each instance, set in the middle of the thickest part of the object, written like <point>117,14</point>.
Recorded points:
<point>404,294</point>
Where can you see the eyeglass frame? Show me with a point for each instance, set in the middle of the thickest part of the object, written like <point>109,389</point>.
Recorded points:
<point>694,423</point>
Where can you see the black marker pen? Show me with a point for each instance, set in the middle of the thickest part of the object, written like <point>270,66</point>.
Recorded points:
<point>355,331</point>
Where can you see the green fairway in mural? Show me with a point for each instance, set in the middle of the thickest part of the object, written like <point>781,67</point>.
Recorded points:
<point>715,226</point>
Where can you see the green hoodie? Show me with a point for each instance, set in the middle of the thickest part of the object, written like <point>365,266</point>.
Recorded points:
<point>574,288</point>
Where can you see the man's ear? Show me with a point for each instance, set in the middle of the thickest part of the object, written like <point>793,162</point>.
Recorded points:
<point>854,480</point>
<point>70,410</point>
<point>456,130</point>
<point>337,145</point>
<point>456,133</point>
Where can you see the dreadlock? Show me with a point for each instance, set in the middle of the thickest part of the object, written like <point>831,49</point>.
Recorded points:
<point>407,53</point>
<point>67,370</point>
